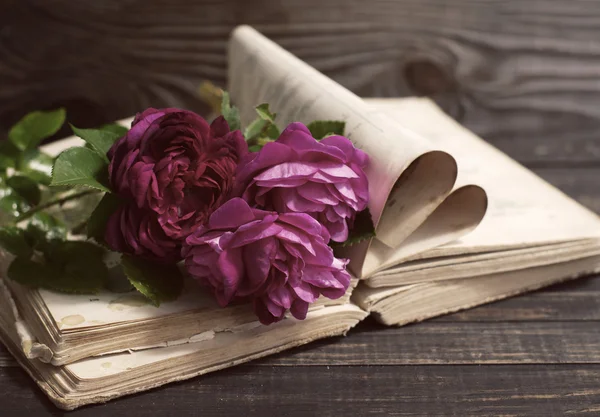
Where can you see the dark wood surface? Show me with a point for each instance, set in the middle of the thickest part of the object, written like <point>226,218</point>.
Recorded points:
<point>508,69</point>
<point>523,74</point>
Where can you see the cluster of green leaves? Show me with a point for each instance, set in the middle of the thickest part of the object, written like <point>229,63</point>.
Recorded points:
<point>44,258</point>
<point>264,129</point>
<point>33,185</point>
<point>24,169</point>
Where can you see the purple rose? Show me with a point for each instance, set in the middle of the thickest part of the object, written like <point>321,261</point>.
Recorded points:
<point>279,261</point>
<point>137,232</point>
<point>297,173</point>
<point>175,169</point>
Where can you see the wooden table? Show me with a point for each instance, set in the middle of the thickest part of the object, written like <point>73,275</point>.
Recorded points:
<point>538,354</point>
<point>523,74</point>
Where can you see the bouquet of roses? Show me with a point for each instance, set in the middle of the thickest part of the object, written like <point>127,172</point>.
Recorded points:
<point>254,216</point>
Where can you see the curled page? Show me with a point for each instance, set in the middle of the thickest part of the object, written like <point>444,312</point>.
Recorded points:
<point>408,176</point>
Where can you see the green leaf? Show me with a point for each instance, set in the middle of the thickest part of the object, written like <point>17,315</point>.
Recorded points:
<point>43,228</point>
<point>265,114</point>
<point>270,130</point>
<point>81,166</point>
<point>263,126</point>
<point>36,165</point>
<point>255,129</point>
<point>13,205</point>
<point>114,128</point>
<point>29,273</point>
<point>363,229</point>
<point>71,267</point>
<point>9,154</point>
<point>230,113</point>
<point>255,148</point>
<point>26,188</point>
<point>35,127</point>
<point>97,223</point>
<point>157,282</point>
<point>323,128</point>
<point>12,239</point>
<point>99,140</point>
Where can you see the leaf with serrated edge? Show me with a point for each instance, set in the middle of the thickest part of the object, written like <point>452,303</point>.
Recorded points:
<point>35,127</point>
<point>80,166</point>
<point>114,128</point>
<point>323,128</point>
<point>156,282</point>
<point>99,140</point>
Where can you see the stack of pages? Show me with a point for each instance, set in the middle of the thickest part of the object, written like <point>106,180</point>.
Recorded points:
<point>458,224</point>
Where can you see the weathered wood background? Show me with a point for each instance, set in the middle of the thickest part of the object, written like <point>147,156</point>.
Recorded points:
<point>508,69</point>
<point>524,74</point>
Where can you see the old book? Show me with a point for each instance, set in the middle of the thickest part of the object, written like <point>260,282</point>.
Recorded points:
<point>436,249</point>
<point>532,234</point>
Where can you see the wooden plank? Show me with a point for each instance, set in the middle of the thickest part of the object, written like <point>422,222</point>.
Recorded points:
<point>520,73</point>
<point>432,343</point>
<point>328,391</point>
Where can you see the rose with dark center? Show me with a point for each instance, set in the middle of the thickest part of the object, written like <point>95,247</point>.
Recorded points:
<point>173,168</point>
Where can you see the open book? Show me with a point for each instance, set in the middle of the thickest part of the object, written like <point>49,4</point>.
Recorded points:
<point>458,224</point>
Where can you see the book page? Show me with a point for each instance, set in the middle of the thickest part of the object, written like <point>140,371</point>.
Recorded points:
<point>412,303</point>
<point>260,71</point>
<point>523,211</point>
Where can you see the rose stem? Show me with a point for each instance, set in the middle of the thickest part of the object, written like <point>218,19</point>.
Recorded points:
<point>80,228</point>
<point>51,203</point>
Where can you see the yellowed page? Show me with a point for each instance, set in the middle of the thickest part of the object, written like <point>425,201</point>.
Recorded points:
<point>523,211</point>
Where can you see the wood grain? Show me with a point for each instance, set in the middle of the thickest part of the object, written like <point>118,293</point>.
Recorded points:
<point>514,71</point>
<point>522,74</point>
<point>356,391</point>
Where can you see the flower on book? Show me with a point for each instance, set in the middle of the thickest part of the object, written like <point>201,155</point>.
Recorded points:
<point>255,215</point>
<point>299,174</point>
<point>172,169</point>
<point>280,261</point>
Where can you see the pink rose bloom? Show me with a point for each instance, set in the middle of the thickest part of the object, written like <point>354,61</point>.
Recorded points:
<point>175,169</point>
<point>298,174</point>
<point>279,261</point>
